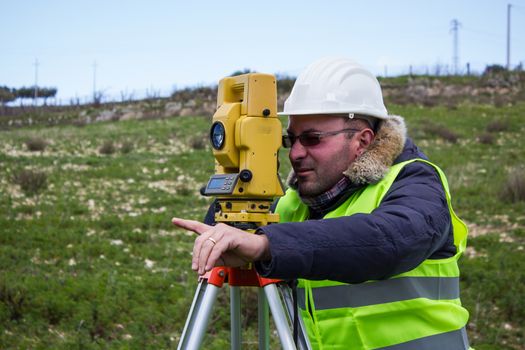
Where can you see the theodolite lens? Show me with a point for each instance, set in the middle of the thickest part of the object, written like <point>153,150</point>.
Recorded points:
<point>217,135</point>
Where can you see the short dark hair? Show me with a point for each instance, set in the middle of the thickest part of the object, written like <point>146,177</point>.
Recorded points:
<point>363,121</point>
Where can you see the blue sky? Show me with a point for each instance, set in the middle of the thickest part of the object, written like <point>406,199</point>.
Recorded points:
<point>160,45</point>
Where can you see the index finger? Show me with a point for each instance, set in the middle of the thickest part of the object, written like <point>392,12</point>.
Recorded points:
<point>191,225</point>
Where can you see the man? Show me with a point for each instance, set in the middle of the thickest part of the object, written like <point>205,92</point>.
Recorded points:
<point>366,225</point>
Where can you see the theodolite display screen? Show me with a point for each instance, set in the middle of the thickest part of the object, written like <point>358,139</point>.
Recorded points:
<point>216,183</point>
<point>221,184</point>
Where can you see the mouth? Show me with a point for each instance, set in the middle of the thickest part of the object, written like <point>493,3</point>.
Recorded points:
<point>303,172</point>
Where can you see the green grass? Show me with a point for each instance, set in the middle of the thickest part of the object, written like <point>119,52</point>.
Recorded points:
<point>91,261</point>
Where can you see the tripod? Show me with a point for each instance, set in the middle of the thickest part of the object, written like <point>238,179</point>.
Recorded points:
<point>271,292</point>
<point>245,137</point>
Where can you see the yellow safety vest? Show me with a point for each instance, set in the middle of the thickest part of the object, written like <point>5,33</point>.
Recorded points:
<point>418,309</point>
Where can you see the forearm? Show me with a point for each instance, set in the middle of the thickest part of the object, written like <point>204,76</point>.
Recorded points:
<point>408,227</point>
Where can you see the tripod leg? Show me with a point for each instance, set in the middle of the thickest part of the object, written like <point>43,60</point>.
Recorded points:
<point>282,322</point>
<point>264,321</point>
<point>235,310</point>
<point>303,343</point>
<point>200,313</point>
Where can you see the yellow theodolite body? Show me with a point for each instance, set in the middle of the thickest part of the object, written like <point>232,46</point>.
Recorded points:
<point>246,137</point>
<point>247,108</point>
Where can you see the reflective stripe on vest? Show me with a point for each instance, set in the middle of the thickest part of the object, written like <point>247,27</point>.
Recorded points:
<point>380,292</point>
<point>449,340</point>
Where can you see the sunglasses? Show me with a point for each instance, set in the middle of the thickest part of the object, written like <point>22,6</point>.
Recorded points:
<point>312,138</point>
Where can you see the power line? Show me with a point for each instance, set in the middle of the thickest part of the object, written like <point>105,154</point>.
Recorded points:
<point>36,64</point>
<point>509,6</point>
<point>94,81</point>
<point>455,57</point>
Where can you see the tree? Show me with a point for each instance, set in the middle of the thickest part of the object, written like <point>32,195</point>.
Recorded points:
<point>24,92</point>
<point>6,95</point>
<point>494,69</point>
<point>46,93</point>
<point>244,71</point>
<point>29,92</point>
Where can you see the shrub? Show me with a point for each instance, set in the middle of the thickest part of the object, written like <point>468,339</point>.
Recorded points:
<point>198,142</point>
<point>107,147</point>
<point>13,299</point>
<point>494,69</point>
<point>184,190</point>
<point>126,147</point>
<point>514,187</point>
<point>35,144</point>
<point>441,131</point>
<point>30,181</point>
<point>486,139</point>
<point>498,125</point>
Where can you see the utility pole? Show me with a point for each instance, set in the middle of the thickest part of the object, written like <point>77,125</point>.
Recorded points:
<point>36,64</point>
<point>508,35</point>
<point>455,57</point>
<point>94,81</point>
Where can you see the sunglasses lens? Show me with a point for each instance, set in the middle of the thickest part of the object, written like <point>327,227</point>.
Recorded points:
<point>309,140</point>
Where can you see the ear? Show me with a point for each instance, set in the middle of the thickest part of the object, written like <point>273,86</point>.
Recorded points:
<point>365,139</point>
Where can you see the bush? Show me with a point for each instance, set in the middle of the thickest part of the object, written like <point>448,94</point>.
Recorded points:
<point>30,181</point>
<point>441,131</point>
<point>514,187</point>
<point>14,299</point>
<point>184,190</point>
<point>107,147</point>
<point>486,139</point>
<point>494,69</point>
<point>126,147</point>
<point>35,144</point>
<point>498,126</point>
<point>198,142</point>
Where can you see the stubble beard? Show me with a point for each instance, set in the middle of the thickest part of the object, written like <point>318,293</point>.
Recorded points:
<point>315,184</point>
<point>319,180</point>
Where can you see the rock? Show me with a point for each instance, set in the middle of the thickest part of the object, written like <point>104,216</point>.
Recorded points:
<point>186,112</point>
<point>105,116</point>
<point>190,104</point>
<point>131,115</point>
<point>172,108</point>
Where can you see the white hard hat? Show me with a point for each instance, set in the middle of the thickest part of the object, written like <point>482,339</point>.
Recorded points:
<point>336,86</point>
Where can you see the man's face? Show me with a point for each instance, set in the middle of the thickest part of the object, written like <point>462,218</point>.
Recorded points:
<point>320,167</point>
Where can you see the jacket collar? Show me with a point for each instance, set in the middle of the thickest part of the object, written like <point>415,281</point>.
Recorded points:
<point>373,164</point>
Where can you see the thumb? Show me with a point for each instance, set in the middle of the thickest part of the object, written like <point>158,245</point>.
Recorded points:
<point>191,225</point>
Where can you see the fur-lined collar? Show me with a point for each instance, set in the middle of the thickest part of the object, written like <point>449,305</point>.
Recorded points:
<point>374,163</point>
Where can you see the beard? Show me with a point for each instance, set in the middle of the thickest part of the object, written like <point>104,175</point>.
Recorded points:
<point>313,181</point>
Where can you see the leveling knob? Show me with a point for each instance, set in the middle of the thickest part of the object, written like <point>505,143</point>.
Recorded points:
<point>245,175</point>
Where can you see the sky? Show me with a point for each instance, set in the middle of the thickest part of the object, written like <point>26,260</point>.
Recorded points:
<point>147,48</point>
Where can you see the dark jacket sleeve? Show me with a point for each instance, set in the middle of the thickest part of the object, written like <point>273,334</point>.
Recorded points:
<point>411,224</point>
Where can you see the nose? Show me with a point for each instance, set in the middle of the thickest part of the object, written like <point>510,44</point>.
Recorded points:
<point>297,151</point>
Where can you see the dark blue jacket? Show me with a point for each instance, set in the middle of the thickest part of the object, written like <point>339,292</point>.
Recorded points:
<point>411,224</point>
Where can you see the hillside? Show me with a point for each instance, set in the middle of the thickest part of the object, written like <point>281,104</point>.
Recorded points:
<point>497,88</point>
<point>89,259</point>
